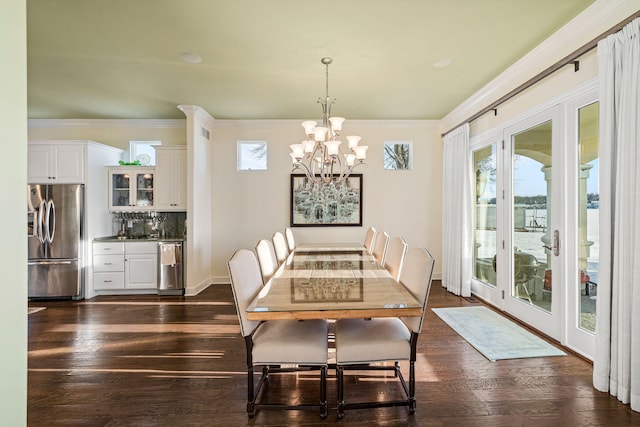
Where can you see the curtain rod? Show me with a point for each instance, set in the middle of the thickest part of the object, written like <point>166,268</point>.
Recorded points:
<point>571,58</point>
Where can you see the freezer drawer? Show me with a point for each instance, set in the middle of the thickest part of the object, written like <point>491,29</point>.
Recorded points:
<point>55,279</point>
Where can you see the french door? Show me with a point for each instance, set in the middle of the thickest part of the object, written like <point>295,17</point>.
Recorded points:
<point>583,240</point>
<point>532,199</point>
<point>517,220</point>
<point>536,220</point>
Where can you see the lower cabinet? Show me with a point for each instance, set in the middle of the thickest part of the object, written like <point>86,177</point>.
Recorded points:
<point>128,267</point>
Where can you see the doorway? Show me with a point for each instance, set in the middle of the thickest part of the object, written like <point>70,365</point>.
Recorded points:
<point>536,221</point>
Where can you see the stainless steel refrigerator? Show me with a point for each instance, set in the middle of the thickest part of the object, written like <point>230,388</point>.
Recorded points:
<point>55,235</point>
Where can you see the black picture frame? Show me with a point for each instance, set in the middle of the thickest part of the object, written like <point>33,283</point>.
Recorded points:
<point>314,205</point>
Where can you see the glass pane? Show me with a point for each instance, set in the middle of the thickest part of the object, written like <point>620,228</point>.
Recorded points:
<point>484,161</point>
<point>120,188</point>
<point>144,189</point>
<point>252,155</point>
<point>397,155</point>
<point>588,204</point>
<point>532,276</point>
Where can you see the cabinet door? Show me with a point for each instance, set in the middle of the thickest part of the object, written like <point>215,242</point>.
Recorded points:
<point>40,164</point>
<point>144,191</point>
<point>56,164</point>
<point>119,190</point>
<point>140,271</point>
<point>68,165</point>
<point>180,179</point>
<point>171,179</point>
<point>131,190</point>
<point>164,179</point>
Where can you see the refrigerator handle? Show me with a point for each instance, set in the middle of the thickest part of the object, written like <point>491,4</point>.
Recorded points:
<point>51,220</point>
<point>40,221</point>
<point>49,263</point>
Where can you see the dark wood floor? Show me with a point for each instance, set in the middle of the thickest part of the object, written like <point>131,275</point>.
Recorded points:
<point>174,361</point>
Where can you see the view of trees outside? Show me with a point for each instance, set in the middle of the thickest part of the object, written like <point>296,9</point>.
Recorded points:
<point>252,155</point>
<point>397,155</point>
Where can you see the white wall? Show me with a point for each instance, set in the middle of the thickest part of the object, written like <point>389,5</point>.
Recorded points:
<point>249,205</point>
<point>13,251</point>
<point>199,258</point>
<point>114,132</point>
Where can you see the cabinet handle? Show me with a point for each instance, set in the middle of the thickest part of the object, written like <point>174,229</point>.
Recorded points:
<point>106,249</point>
<point>108,263</point>
<point>108,281</point>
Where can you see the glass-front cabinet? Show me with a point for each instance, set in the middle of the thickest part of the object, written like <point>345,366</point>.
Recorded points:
<point>131,189</point>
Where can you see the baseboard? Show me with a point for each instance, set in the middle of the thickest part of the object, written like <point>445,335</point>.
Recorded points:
<point>195,290</point>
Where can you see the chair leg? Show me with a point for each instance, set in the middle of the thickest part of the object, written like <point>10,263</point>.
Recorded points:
<point>251,408</point>
<point>324,411</point>
<point>340,378</point>
<point>412,387</point>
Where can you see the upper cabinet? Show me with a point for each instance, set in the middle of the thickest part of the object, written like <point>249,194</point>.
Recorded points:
<point>54,163</point>
<point>131,189</point>
<point>171,178</point>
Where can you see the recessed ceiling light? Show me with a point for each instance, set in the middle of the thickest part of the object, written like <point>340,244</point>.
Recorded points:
<point>191,58</point>
<point>443,63</point>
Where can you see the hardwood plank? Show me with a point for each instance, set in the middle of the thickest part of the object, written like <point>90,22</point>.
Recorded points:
<point>178,361</point>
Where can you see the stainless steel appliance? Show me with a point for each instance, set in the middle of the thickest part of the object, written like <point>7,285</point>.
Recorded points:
<point>170,268</point>
<point>55,236</point>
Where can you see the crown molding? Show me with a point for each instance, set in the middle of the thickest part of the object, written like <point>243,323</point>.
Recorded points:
<point>591,23</point>
<point>359,124</point>
<point>107,123</point>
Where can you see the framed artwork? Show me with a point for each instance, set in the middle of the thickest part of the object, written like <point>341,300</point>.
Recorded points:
<point>397,155</point>
<point>314,205</point>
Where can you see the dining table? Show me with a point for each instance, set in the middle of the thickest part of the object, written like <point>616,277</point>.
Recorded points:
<point>332,281</point>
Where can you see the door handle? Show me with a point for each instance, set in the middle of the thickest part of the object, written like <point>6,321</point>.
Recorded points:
<point>51,220</point>
<point>556,242</point>
<point>41,235</point>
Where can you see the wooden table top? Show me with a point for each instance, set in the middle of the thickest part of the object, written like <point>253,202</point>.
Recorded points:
<point>332,282</point>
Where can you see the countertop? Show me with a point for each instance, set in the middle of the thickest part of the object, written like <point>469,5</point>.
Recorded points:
<point>137,239</point>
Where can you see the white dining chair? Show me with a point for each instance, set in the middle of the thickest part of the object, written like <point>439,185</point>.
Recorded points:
<point>280,246</point>
<point>274,343</point>
<point>369,238</point>
<point>267,258</point>
<point>362,343</point>
<point>395,256</point>
<point>291,241</point>
<point>380,247</point>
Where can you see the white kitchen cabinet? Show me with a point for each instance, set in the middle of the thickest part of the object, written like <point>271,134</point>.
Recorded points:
<point>131,189</point>
<point>125,267</point>
<point>171,178</point>
<point>141,265</point>
<point>108,266</point>
<point>55,163</point>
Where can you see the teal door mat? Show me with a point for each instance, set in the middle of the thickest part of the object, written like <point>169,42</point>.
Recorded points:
<point>493,335</point>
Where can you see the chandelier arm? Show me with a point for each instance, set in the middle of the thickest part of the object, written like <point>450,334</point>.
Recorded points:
<point>313,164</point>
<point>300,165</point>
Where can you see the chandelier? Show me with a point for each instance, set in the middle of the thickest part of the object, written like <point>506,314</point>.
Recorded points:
<point>320,155</point>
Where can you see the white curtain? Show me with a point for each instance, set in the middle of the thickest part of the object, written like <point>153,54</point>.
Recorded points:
<point>457,213</point>
<point>616,365</point>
